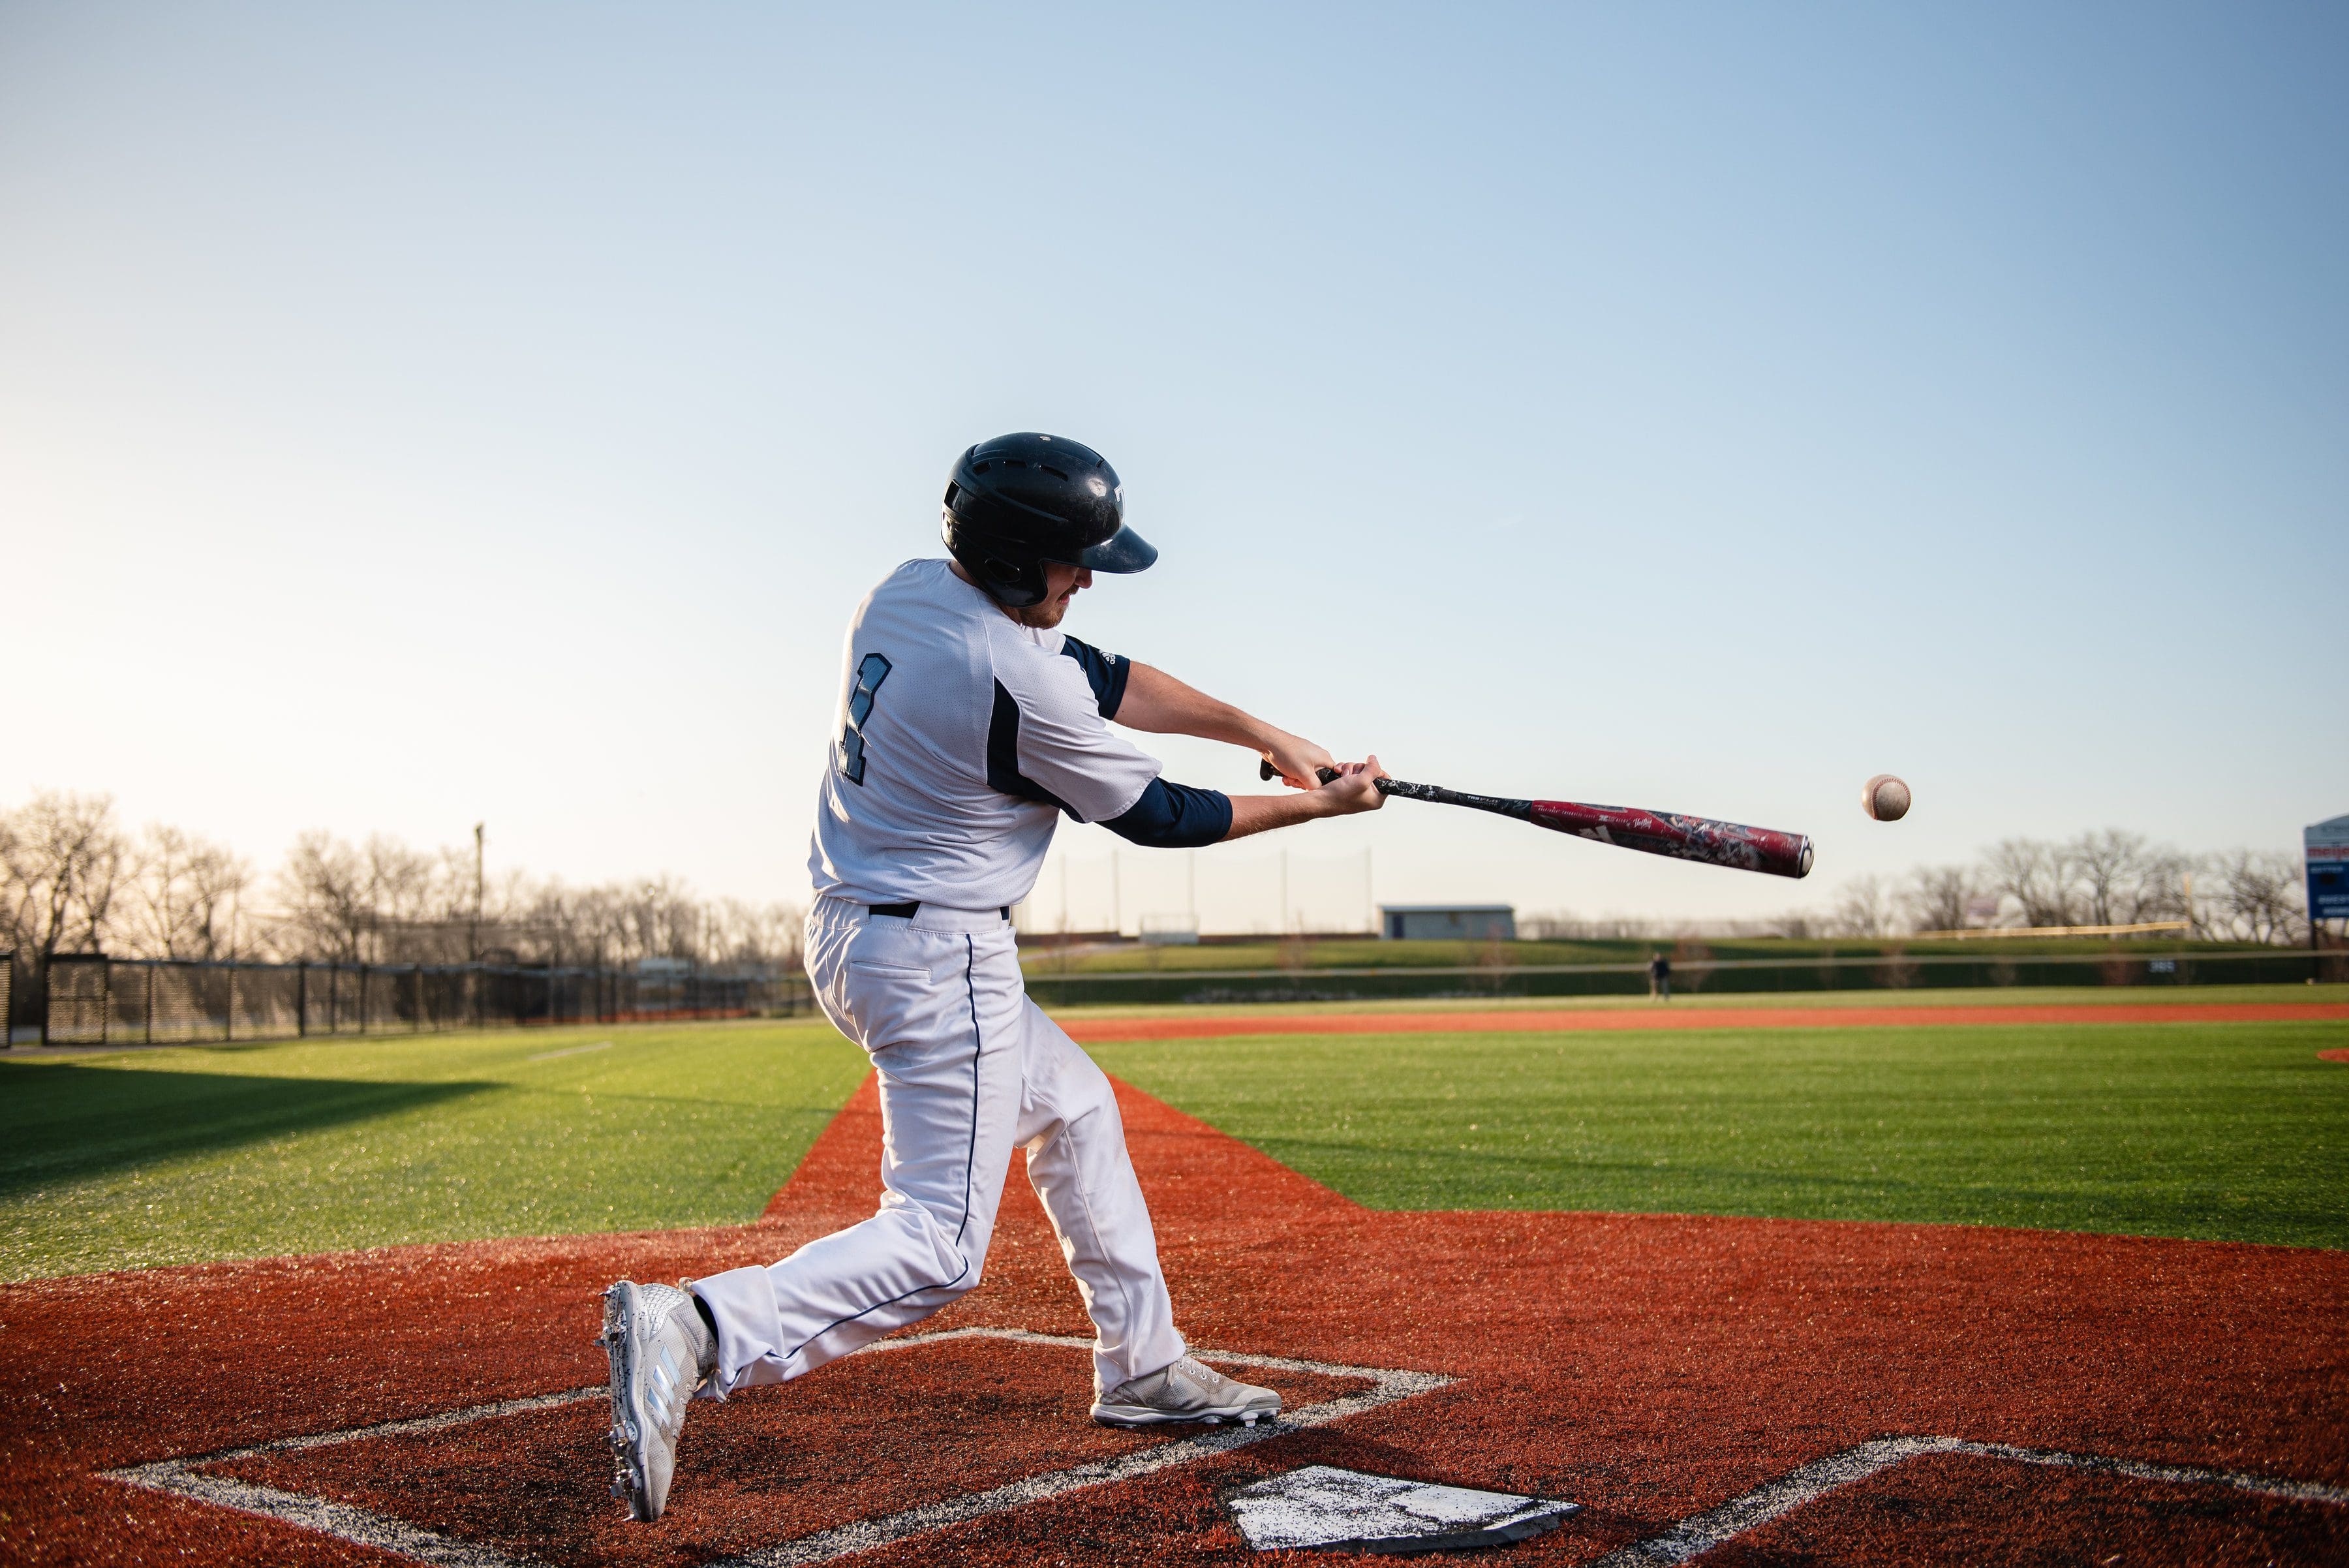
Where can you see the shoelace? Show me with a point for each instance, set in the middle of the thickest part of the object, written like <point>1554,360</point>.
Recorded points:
<point>1206,1376</point>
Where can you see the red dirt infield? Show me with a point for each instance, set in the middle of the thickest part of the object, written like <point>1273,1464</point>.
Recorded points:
<point>1650,1367</point>
<point>1530,1021</point>
<point>2332,1056</point>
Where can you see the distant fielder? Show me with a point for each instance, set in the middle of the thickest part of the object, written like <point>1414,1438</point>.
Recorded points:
<point>967,724</point>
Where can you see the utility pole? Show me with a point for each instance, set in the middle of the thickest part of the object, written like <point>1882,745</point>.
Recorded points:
<point>473,939</point>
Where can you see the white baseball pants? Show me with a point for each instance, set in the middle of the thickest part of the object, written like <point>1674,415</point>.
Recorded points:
<point>968,1067</point>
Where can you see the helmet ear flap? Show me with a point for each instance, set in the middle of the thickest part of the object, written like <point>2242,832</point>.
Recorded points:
<point>1017,584</point>
<point>1012,582</point>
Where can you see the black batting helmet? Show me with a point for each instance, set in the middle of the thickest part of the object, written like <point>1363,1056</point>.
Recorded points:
<point>1019,500</point>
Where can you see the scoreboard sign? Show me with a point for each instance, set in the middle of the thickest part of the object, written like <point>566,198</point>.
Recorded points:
<point>2327,844</point>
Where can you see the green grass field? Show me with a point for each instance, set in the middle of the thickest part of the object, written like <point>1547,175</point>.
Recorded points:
<point>169,1156</point>
<point>2233,1131</point>
<point>2227,1131</point>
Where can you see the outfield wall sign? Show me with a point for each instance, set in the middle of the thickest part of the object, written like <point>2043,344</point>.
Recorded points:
<point>2327,846</point>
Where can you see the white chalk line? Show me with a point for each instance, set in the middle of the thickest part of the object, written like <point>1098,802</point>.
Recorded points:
<point>1688,1539</point>
<point>183,1477</point>
<point>570,1051</point>
<point>1700,1532</point>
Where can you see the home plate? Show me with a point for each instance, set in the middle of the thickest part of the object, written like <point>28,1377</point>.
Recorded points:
<point>1321,1505</point>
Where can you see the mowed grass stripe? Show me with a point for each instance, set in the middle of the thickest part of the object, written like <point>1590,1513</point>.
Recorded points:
<point>170,1155</point>
<point>2222,1131</point>
<point>2215,1131</point>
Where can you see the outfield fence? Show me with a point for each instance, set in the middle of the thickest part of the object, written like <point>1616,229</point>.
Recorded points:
<point>95,1000</point>
<point>2287,966</point>
<point>92,999</point>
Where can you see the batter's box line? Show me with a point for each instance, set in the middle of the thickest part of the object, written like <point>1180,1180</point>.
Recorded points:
<point>183,1477</point>
<point>1700,1532</point>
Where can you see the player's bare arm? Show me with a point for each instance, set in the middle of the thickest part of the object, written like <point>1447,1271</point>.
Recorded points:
<point>1354,789</point>
<point>1157,703</point>
<point>1160,704</point>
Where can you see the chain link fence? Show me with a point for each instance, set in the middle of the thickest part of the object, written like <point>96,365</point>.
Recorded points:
<point>94,1000</point>
<point>1890,971</point>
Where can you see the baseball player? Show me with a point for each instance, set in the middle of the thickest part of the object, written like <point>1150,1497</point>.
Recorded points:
<point>968,724</point>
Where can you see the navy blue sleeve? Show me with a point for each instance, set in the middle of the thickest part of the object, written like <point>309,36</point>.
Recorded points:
<point>1175,816</point>
<point>1106,672</point>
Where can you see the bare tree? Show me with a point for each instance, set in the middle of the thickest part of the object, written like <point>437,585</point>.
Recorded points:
<point>400,881</point>
<point>2036,875</point>
<point>2259,898</point>
<point>68,880</point>
<point>2107,866</point>
<point>1865,909</point>
<point>667,921</point>
<point>2126,879</point>
<point>381,901</point>
<point>322,887</point>
<point>1935,896</point>
<point>184,895</point>
<point>757,936</point>
<point>62,865</point>
<point>2160,892</point>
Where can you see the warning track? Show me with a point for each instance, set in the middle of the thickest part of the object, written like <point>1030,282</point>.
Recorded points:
<point>1766,1390</point>
<point>1528,1021</point>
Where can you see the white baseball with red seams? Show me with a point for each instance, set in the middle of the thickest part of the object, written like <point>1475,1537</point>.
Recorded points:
<point>1885,798</point>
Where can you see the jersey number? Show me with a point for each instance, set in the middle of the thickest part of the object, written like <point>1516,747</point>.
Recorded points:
<point>873,671</point>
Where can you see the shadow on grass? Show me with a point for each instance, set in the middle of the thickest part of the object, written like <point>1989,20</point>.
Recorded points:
<point>60,1123</point>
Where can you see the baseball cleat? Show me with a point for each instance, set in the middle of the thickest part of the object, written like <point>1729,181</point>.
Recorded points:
<point>1186,1391</point>
<point>661,1351</point>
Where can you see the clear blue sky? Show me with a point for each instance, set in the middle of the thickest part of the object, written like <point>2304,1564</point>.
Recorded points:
<point>417,414</point>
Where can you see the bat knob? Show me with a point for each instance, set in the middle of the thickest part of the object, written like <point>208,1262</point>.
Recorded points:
<point>1265,770</point>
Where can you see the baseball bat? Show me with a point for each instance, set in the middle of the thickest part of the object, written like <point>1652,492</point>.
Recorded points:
<point>1763,849</point>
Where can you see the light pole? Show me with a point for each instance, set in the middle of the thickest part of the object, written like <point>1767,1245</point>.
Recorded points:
<point>473,938</point>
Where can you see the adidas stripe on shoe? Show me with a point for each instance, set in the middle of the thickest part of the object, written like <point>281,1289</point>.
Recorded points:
<point>660,1352</point>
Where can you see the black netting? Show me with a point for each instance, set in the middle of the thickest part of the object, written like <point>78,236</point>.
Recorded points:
<point>97,1000</point>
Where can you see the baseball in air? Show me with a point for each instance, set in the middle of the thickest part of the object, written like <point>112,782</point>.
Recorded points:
<point>1884,798</point>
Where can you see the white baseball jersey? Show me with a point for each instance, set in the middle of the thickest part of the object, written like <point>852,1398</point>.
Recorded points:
<point>959,738</point>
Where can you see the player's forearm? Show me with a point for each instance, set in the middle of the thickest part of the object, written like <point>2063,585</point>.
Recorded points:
<point>1157,702</point>
<point>1263,813</point>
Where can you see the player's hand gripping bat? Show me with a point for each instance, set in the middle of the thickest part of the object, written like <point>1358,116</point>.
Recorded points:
<point>1761,849</point>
